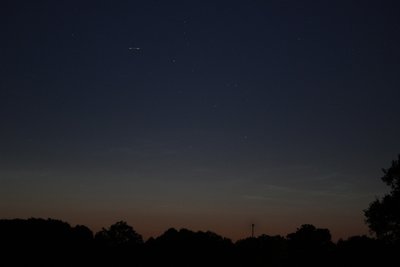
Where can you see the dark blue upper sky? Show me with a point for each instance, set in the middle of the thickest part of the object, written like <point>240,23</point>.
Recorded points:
<point>198,114</point>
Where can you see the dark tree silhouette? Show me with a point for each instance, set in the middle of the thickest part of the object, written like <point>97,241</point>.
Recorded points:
<point>118,245</point>
<point>40,242</point>
<point>310,236</point>
<point>188,248</point>
<point>383,215</point>
<point>261,251</point>
<point>119,234</point>
<point>361,251</point>
<point>45,243</point>
<point>311,246</point>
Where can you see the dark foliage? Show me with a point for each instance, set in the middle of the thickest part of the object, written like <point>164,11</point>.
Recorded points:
<point>311,246</point>
<point>383,215</point>
<point>117,245</point>
<point>188,248</point>
<point>271,250</point>
<point>39,242</point>
<point>118,235</point>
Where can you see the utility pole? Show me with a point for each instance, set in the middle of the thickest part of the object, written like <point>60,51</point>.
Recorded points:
<point>252,230</point>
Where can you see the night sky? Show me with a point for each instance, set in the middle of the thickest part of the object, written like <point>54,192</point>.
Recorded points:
<point>208,115</point>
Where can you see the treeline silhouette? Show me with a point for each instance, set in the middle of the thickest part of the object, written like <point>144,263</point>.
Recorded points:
<point>49,242</point>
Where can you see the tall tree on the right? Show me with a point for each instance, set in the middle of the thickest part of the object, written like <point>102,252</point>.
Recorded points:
<point>383,215</point>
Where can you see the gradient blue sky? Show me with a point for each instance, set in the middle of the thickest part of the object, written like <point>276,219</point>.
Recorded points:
<point>209,115</point>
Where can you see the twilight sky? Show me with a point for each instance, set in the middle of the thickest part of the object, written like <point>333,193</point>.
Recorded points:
<point>209,115</point>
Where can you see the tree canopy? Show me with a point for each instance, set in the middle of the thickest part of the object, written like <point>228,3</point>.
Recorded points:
<point>118,235</point>
<point>383,215</point>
